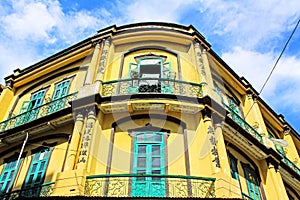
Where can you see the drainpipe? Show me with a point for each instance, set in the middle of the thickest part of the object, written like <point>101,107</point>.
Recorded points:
<point>19,158</point>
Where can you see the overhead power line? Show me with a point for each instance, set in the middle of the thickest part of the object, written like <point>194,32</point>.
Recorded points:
<point>280,55</point>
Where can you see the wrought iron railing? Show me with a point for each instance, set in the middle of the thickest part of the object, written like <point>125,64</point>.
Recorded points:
<point>151,85</point>
<point>141,185</point>
<point>38,112</point>
<point>290,163</point>
<point>45,190</point>
<point>239,120</point>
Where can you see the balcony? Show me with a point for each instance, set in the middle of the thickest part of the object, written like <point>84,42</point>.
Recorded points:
<point>154,185</point>
<point>240,121</point>
<point>151,85</point>
<point>45,190</point>
<point>290,164</point>
<point>38,112</point>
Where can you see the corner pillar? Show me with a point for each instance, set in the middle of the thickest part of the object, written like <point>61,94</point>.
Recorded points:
<point>74,143</point>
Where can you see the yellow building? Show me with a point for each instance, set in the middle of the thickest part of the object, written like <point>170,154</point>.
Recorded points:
<point>142,110</point>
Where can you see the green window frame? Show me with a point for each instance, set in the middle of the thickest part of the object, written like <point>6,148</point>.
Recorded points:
<point>36,173</point>
<point>252,182</point>
<point>61,90</point>
<point>233,166</point>
<point>149,159</point>
<point>8,175</point>
<point>150,74</point>
<point>30,109</point>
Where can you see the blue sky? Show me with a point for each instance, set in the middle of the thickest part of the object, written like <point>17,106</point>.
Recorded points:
<point>248,35</point>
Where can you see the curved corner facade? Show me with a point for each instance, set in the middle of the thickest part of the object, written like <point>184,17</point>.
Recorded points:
<point>145,110</point>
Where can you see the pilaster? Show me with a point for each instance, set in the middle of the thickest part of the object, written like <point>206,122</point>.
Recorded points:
<point>91,73</point>
<point>274,180</point>
<point>103,59</point>
<point>225,186</point>
<point>291,150</point>
<point>86,139</point>
<point>74,143</point>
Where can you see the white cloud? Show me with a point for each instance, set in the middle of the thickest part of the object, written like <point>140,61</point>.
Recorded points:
<point>34,29</point>
<point>248,23</point>
<point>281,91</point>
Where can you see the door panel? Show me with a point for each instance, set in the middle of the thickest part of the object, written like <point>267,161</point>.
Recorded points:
<point>149,160</point>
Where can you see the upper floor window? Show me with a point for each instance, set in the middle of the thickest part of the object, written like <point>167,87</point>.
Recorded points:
<point>150,73</point>
<point>30,109</point>
<point>61,90</point>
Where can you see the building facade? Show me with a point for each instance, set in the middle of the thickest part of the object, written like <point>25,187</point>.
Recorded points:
<point>142,110</point>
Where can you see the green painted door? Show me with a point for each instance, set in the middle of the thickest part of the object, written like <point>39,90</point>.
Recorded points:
<point>252,183</point>
<point>58,101</point>
<point>36,173</point>
<point>148,160</point>
<point>8,176</point>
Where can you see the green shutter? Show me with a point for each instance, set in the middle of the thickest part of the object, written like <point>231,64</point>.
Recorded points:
<point>252,183</point>
<point>24,107</point>
<point>149,159</point>
<point>8,176</point>
<point>58,102</point>
<point>233,167</point>
<point>36,173</point>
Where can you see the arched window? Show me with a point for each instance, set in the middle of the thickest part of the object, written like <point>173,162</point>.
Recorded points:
<point>150,73</point>
<point>252,182</point>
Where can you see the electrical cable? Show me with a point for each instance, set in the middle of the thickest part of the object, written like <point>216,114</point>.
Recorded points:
<point>275,65</point>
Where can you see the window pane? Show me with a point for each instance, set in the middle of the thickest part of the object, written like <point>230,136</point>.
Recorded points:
<point>157,138</point>
<point>33,168</point>
<point>4,176</point>
<point>38,179</point>
<point>149,137</point>
<point>140,137</point>
<point>141,162</point>
<point>11,174</point>
<point>141,149</point>
<point>42,166</point>
<point>156,162</point>
<point>155,150</point>
<point>30,179</point>
<point>41,155</point>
